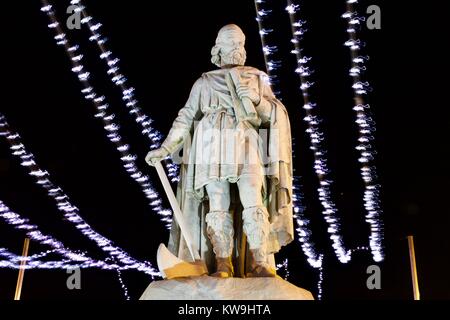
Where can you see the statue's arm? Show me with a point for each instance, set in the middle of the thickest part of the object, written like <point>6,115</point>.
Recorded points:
<point>182,125</point>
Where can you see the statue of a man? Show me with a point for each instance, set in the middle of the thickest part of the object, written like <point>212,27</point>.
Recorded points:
<point>232,179</point>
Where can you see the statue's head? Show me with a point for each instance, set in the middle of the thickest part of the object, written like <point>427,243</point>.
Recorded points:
<point>229,48</point>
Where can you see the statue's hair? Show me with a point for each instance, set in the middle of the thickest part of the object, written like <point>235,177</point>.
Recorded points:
<point>236,56</point>
<point>215,55</point>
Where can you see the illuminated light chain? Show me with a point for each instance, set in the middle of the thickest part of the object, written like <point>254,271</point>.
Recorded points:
<point>122,284</point>
<point>17,259</point>
<point>61,264</point>
<point>366,127</point>
<point>272,66</point>
<point>34,234</point>
<point>14,261</point>
<point>111,127</point>
<point>314,258</point>
<point>316,136</point>
<point>360,248</point>
<point>47,265</point>
<point>62,200</point>
<point>50,265</point>
<point>120,81</point>
<point>285,266</point>
<point>303,231</point>
<point>319,284</point>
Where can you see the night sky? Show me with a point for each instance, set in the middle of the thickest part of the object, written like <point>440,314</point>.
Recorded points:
<point>164,47</point>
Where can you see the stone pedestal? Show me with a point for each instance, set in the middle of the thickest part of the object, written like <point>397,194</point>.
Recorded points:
<point>210,288</point>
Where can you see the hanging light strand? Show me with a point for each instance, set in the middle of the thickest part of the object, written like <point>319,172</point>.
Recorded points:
<point>52,265</point>
<point>76,259</point>
<point>304,233</point>
<point>34,234</point>
<point>4,253</point>
<point>366,128</point>
<point>316,136</point>
<point>62,200</point>
<point>122,285</point>
<point>102,112</point>
<point>269,50</point>
<point>128,93</point>
<point>303,230</point>
<point>320,284</point>
<point>285,266</point>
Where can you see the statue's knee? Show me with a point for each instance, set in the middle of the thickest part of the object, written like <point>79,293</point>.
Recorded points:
<point>219,202</point>
<point>250,191</point>
<point>219,196</point>
<point>250,197</point>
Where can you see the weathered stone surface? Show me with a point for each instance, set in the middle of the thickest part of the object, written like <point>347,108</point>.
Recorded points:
<point>210,288</point>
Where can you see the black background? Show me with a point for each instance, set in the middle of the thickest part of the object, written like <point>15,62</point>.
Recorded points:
<point>164,47</point>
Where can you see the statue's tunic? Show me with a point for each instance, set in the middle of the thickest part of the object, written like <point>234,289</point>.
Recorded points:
<point>223,146</point>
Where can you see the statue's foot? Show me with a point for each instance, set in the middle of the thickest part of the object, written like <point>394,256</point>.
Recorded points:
<point>224,268</point>
<point>262,271</point>
<point>221,274</point>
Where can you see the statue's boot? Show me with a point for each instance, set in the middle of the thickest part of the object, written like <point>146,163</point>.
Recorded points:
<point>224,268</point>
<point>221,232</point>
<point>257,229</point>
<point>260,267</point>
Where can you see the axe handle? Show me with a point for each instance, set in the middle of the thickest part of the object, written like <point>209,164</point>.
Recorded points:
<point>176,210</point>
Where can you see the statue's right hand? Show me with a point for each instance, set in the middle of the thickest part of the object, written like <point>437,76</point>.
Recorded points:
<point>155,156</point>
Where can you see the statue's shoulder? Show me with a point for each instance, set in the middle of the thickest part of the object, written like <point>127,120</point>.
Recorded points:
<point>199,82</point>
<point>213,73</point>
<point>249,69</point>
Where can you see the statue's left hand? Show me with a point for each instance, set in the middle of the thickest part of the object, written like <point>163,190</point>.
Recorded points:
<point>244,91</point>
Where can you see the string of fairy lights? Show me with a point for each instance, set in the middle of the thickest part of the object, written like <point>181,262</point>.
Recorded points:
<point>15,258</point>
<point>103,113</point>
<point>363,120</point>
<point>33,233</point>
<point>366,128</point>
<point>268,49</point>
<point>304,233</point>
<point>118,78</point>
<point>107,117</point>
<point>123,285</point>
<point>63,204</point>
<point>73,259</point>
<point>316,135</point>
<point>303,230</point>
<point>284,266</point>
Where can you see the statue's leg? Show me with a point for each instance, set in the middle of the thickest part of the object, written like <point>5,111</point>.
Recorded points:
<point>256,224</point>
<point>220,227</point>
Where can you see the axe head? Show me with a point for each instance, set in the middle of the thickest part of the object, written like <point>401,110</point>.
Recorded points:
<point>172,267</point>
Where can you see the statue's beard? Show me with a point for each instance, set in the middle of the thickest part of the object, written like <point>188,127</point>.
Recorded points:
<point>234,57</point>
